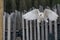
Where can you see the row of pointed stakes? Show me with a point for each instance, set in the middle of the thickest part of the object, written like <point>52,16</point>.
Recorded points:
<point>36,31</point>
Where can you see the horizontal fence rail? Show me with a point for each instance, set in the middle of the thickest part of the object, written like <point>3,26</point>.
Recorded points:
<point>19,28</point>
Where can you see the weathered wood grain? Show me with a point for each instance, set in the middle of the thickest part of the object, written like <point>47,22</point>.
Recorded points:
<point>1,12</point>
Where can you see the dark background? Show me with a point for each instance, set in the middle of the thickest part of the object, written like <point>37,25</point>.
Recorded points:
<point>11,5</point>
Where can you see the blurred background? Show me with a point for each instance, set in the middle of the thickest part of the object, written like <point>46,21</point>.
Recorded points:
<point>23,6</point>
<point>20,5</point>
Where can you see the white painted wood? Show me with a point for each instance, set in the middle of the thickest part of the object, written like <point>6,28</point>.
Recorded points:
<point>38,31</point>
<point>50,26</point>
<point>27,33</point>
<point>23,29</point>
<point>4,26</point>
<point>46,31</point>
<point>7,18</point>
<point>9,27</point>
<point>42,30</point>
<point>55,26</point>
<point>55,29</point>
<point>14,26</point>
<point>42,27</point>
<point>19,20</point>
<point>30,30</point>
<point>34,29</point>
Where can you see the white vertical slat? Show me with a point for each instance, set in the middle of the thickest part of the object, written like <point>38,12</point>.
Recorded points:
<point>4,26</point>
<point>46,31</point>
<point>30,30</point>
<point>9,27</point>
<point>50,29</point>
<point>7,19</point>
<point>34,29</point>
<point>14,25</point>
<point>42,27</point>
<point>50,26</point>
<point>19,20</point>
<point>42,30</point>
<point>38,30</point>
<point>55,26</point>
<point>23,29</point>
<point>27,33</point>
<point>46,27</point>
<point>55,29</point>
<point>11,23</point>
<point>58,12</point>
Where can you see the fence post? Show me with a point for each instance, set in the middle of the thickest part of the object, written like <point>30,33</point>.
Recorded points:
<point>42,30</point>
<point>55,26</point>
<point>34,29</point>
<point>14,25</point>
<point>50,26</point>
<point>50,30</point>
<point>55,29</point>
<point>46,31</point>
<point>42,23</point>
<point>30,30</point>
<point>4,26</point>
<point>19,21</point>
<point>27,33</point>
<point>23,29</point>
<point>9,27</point>
<point>38,30</point>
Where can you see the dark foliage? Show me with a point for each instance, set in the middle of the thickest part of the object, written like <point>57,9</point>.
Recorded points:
<point>11,5</point>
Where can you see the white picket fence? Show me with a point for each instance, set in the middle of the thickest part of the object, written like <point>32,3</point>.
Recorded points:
<point>31,30</point>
